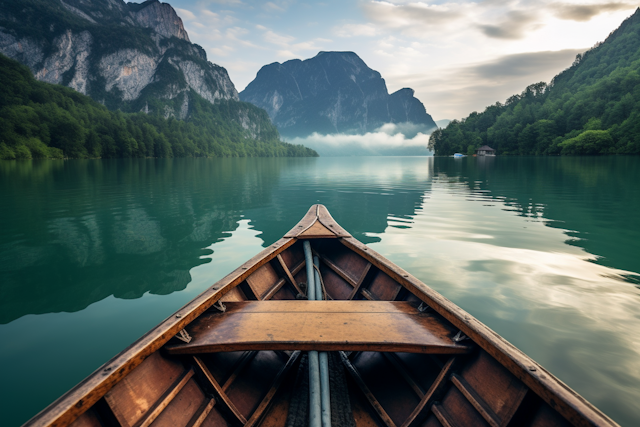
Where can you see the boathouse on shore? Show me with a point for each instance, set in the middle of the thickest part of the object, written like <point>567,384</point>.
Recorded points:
<point>485,150</point>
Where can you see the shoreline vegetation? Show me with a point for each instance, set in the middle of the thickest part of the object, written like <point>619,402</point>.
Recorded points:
<point>591,108</point>
<point>44,121</point>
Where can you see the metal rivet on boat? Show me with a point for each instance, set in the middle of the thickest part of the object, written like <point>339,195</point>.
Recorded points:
<point>532,368</point>
<point>178,315</point>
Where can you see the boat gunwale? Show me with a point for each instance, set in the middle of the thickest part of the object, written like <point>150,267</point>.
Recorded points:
<point>572,406</point>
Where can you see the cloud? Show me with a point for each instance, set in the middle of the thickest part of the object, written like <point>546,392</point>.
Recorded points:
<point>584,12</point>
<point>185,14</point>
<point>355,30</point>
<point>388,140</point>
<point>515,25</point>
<point>526,65</point>
<point>413,18</point>
<point>270,6</point>
<point>485,83</point>
<point>226,2</point>
<point>278,39</point>
<point>500,19</point>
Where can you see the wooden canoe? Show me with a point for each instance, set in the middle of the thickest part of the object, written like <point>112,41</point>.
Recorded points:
<point>402,354</point>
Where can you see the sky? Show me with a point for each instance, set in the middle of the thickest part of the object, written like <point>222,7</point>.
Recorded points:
<point>459,57</point>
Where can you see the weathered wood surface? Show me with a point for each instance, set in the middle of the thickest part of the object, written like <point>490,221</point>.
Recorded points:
<point>319,325</point>
<point>576,409</point>
<point>477,394</point>
<point>83,396</point>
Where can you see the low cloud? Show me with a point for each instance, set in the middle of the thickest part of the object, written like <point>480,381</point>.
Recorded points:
<point>389,140</point>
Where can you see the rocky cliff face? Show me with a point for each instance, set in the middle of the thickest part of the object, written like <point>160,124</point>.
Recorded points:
<point>334,92</point>
<point>136,57</point>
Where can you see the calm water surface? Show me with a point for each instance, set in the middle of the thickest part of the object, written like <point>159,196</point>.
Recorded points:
<point>543,250</point>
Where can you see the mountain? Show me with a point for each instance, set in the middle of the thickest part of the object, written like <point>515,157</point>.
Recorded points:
<point>593,107</point>
<point>43,120</point>
<point>136,57</point>
<point>333,92</point>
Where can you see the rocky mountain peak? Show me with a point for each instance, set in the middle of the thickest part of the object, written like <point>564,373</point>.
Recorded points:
<point>131,56</point>
<point>333,92</point>
<point>161,18</point>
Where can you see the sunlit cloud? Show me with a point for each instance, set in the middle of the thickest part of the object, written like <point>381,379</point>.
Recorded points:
<point>494,19</point>
<point>485,83</point>
<point>584,12</point>
<point>437,48</point>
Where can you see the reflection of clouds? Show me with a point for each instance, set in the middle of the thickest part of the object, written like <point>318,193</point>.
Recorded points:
<point>578,318</point>
<point>137,234</point>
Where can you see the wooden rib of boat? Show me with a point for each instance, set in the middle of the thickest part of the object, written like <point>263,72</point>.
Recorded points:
<point>401,354</point>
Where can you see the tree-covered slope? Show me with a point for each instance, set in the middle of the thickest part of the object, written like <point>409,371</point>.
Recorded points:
<point>41,120</point>
<point>593,107</point>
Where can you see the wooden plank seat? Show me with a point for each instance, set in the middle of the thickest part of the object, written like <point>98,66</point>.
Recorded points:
<point>386,326</point>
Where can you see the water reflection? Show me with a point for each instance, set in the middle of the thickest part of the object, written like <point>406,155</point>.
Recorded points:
<point>496,245</point>
<point>540,249</point>
<point>76,232</point>
<point>79,231</point>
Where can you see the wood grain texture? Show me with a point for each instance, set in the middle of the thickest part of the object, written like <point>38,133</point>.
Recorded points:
<point>88,419</point>
<point>83,396</point>
<point>382,414</point>
<point>259,413</point>
<point>133,398</point>
<point>436,390</point>
<point>501,391</point>
<point>577,410</point>
<point>319,325</point>
<point>182,407</point>
<point>202,413</point>
<point>559,398</point>
<point>219,392</point>
<point>263,280</point>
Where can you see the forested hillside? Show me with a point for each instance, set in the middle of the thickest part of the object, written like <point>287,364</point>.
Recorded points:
<point>593,107</point>
<point>41,120</point>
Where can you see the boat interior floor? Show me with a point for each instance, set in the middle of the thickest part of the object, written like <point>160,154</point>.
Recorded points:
<point>394,361</point>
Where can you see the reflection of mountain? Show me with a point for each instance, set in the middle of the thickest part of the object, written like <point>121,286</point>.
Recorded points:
<point>76,232</point>
<point>586,195</point>
<point>360,193</point>
<point>83,230</point>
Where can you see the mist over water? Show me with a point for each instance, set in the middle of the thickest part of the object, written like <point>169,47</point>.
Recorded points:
<point>390,139</point>
<point>94,253</point>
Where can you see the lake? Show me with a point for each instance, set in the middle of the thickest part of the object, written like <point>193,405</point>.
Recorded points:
<point>94,253</point>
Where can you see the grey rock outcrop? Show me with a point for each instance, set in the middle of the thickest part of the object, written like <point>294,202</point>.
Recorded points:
<point>162,19</point>
<point>136,57</point>
<point>334,92</point>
